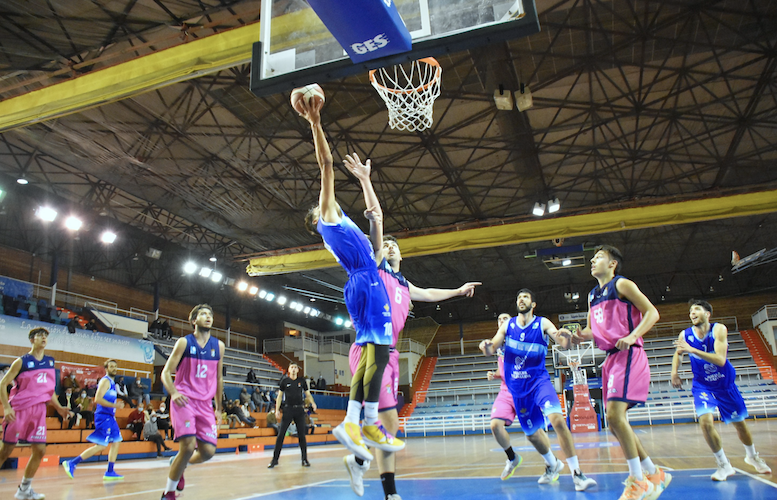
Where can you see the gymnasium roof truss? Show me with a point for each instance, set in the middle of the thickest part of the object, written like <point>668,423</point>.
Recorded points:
<point>633,101</point>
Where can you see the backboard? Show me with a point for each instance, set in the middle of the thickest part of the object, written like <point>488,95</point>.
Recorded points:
<point>296,49</point>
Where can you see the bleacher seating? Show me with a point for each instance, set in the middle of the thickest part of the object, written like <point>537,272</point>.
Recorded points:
<point>459,396</point>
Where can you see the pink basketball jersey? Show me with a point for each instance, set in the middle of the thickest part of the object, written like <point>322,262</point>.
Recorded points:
<point>197,374</point>
<point>398,291</point>
<point>612,318</point>
<point>35,382</point>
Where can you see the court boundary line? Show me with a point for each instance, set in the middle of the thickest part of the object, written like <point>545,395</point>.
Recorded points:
<point>756,477</point>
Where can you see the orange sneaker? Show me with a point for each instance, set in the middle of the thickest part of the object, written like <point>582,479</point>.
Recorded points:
<point>660,480</point>
<point>636,489</point>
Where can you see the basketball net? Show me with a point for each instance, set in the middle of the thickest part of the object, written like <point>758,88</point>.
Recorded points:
<point>409,95</point>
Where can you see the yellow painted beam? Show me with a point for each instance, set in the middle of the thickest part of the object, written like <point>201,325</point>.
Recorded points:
<point>683,212</point>
<point>183,62</point>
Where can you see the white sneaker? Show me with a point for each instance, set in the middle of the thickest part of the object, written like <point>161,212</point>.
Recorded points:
<point>356,472</point>
<point>723,472</point>
<point>394,496</point>
<point>510,466</point>
<point>551,474</point>
<point>28,494</point>
<point>582,482</point>
<point>759,464</point>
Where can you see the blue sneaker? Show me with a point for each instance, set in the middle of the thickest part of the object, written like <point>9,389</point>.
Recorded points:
<point>69,467</point>
<point>112,476</point>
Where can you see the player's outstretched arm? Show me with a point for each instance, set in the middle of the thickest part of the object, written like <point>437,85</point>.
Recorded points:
<point>489,346</point>
<point>562,337</point>
<point>440,294</point>
<point>374,211</point>
<point>583,334</point>
<point>677,360</point>
<point>326,199</point>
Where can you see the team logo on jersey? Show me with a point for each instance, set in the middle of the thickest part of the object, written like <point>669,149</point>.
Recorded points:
<point>187,424</point>
<point>523,411</point>
<point>547,404</point>
<point>690,338</point>
<point>606,291</point>
<point>710,368</point>
<point>703,395</point>
<point>213,353</point>
<point>30,364</point>
<point>51,363</point>
<point>193,350</point>
<point>734,414</point>
<point>535,325</point>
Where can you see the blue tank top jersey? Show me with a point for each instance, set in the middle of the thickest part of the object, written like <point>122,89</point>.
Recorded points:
<point>525,351</point>
<point>348,244</point>
<point>706,375</point>
<point>109,396</point>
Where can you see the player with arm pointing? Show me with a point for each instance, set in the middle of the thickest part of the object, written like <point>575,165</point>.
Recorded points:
<point>714,386</point>
<point>525,338</point>
<point>400,292</point>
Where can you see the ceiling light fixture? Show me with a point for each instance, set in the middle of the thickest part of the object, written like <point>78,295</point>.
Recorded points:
<point>539,209</point>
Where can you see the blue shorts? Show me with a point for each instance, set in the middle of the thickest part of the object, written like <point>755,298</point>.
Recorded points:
<point>533,405</point>
<point>369,307</point>
<point>106,430</point>
<point>729,402</point>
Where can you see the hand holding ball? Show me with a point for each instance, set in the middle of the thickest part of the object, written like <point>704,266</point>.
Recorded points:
<point>311,94</point>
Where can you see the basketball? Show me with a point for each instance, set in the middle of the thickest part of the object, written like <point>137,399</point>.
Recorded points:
<point>308,92</point>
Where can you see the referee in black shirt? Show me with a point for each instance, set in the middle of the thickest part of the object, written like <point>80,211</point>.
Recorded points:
<point>293,392</point>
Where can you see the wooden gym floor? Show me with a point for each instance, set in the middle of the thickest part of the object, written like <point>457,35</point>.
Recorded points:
<point>466,467</point>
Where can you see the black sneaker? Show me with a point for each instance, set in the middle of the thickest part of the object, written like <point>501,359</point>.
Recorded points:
<point>305,462</point>
<point>272,464</point>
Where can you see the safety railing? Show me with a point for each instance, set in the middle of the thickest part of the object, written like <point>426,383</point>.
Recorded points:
<point>411,346</point>
<point>458,348</point>
<point>182,327</point>
<point>333,347</point>
<point>448,425</point>
<point>764,314</point>
<point>757,406</point>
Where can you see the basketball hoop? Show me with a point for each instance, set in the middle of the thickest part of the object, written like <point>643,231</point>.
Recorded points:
<point>409,95</point>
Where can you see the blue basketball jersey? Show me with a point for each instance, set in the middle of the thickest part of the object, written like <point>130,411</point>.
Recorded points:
<point>525,351</point>
<point>706,375</point>
<point>109,396</point>
<point>348,244</point>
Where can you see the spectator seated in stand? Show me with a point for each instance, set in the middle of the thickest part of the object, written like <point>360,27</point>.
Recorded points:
<point>136,420</point>
<point>272,420</point>
<point>245,399</point>
<point>163,421</point>
<point>155,328</point>
<point>230,412</point>
<point>72,325</point>
<point>251,377</point>
<point>68,400</point>
<point>259,400</point>
<point>151,433</point>
<point>137,392</point>
<point>91,326</point>
<point>84,409</point>
<point>70,382</point>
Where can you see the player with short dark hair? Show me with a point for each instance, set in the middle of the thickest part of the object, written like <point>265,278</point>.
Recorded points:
<point>106,429</point>
<point>619,315</point>
<point>714,386</point>
<point>33,377</point>
<point>525,339</point>
<point>197,360</point>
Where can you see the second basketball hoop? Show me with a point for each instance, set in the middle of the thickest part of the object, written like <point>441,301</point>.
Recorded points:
<point>409,92</point>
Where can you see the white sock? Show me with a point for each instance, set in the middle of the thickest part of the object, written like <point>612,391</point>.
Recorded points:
<point>635,469</point>
<point>750,450</point>
<point>720,456</point>
<point>573,464</point>
<point>648,466</point>
<point>354,412</point>
<point>171,485</point>
<point>550,459</point>
<point>26,483</point>
<point>371,413</point>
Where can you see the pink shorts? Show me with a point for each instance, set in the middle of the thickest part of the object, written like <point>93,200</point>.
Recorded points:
<point>30,425</point>
<point>390,384</point>
<point>626,376</point>
<point>503,407</point>
<point>197,419</point>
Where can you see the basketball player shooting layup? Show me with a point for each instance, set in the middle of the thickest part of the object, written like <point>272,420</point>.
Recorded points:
<point>364,293</point>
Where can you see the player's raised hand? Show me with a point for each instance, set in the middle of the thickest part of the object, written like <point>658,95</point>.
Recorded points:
<point>468,289</point>
<point>682,346</point>
<point>487,347</point>
<point>374,215</point>
<point>576,338</point>
<point>490,375</point>
<point>311,111</point>
<point>354,165</point>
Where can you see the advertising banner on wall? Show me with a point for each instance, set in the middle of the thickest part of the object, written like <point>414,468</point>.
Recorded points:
<point>87,376</point>
<point>14,331</point>
<point>14,288</point>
